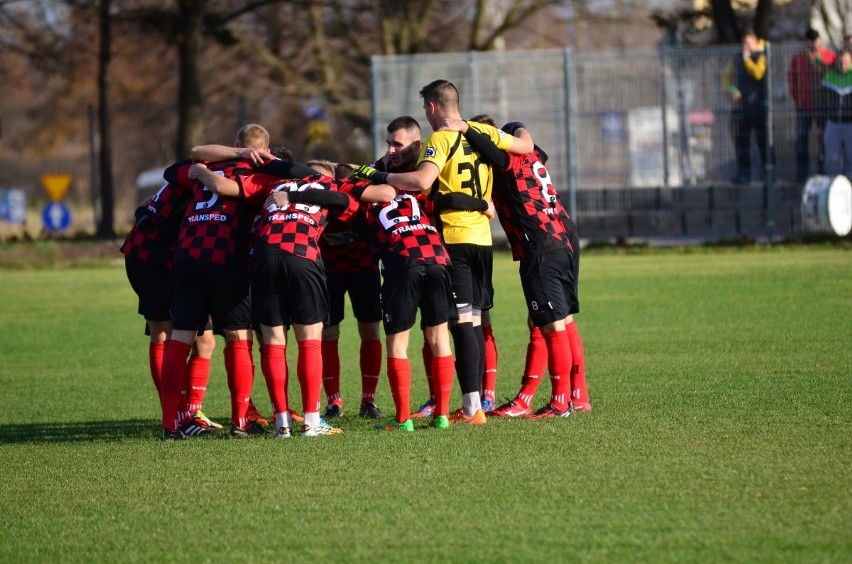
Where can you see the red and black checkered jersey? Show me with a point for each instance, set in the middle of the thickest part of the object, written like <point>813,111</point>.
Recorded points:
<point>155,238</point>
<point>296,228</point>
<point>344,247</point>
<point>529,208</point>
<point>215,228</point>
<point>156,246</point>
<point>401,230</point>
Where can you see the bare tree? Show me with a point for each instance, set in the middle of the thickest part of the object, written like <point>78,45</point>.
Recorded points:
<point>493,19</point>
<point>763,18</point>
<point>728,27</point>
<point>725,21</point>
<point>55,41</point>
<point>105,228</point>
<point>832,18</point>
<point>341,36</point>
<point>187,25</point>
<point>188,39</point>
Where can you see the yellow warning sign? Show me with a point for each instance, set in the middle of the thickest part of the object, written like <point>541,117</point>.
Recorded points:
<point>56,185</point>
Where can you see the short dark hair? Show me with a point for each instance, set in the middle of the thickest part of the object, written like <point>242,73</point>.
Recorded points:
<point>342,170</point>
<point>484,118</point>
<point>442,92</point>
<point>811,34</point>
<point>512,127</point>
<point>403,122</point>
<point>282,152</point>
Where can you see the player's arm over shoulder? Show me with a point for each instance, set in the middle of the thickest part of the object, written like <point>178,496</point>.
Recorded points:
<point>214,153</point>
<point>214,181</point>
<point>510,143</point>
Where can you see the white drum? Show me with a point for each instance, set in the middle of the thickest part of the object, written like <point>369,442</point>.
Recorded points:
<point>827,205</point>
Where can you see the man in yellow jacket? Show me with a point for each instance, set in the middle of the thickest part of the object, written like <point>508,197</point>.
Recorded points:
<point>744,82</point>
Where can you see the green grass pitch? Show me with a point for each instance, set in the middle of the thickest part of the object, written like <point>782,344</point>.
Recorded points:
<point>721,431</point>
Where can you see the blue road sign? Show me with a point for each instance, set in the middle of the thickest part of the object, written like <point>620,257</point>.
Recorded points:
<point>56,217</point>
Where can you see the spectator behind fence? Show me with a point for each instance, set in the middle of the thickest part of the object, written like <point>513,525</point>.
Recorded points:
<point>803,77</point>
<point>837,107</point>
<point>745,85</point>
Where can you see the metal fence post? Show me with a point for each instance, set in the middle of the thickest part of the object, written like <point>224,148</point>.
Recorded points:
<point>374,117</point>
<point>573,152</point>
<point>769,157</point>
<point>474,82</point>
<point>665,104</point>
<point>687,173</point>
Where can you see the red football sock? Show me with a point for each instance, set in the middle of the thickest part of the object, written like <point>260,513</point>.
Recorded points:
<point>489,376</point>
<point>273,364</point>
<point>331,371</point>
<point>309,371</point>
<point>155,362</point>
<point>199,375</point>
<point>579,392</point>
<point>428,367</point>
<point>183,412</point>
<point>559,365</point>
<point>534,368</point>
<point>399,377</point>
<point>173,381</point>
<point>240,369</point>
<point>371,366</point>
<point>443,371</point>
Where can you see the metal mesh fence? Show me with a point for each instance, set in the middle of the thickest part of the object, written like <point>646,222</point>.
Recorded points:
<point>641,141</point>
<point>504,85</point>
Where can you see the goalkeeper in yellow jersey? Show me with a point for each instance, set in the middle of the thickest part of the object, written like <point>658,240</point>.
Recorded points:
<point>447,164</point>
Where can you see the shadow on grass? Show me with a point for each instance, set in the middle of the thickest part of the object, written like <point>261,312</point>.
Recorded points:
<point>81,431</point>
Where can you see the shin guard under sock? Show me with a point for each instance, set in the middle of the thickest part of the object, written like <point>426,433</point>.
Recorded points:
<point>489,376</point>
<point>559,365</point>
<point>480,347</point>
<point>155,362</point>
<point>173,381</point>
<point>309,371</point>
<point>399,377</point>
<point>442,377</point>
<point>579,391</point>
<point>467,357</point>
<point>199,376</point>
<point>273,364</point>
<point>428,367</point>
<point>331,371</point>
<point>371,367</point>
<point>536,364</point>
<point>240,370</point>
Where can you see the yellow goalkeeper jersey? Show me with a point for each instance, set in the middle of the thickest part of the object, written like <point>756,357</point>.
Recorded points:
<point>462,171</point>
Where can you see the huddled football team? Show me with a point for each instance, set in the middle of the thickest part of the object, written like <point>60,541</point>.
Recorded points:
<point>242,241</point>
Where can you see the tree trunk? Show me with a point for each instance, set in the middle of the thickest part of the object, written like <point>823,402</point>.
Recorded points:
<point>190,106</point>
<point>763,18</point>
<point>831,18</point>
<point>725,20</point>
<point>105,224</point>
